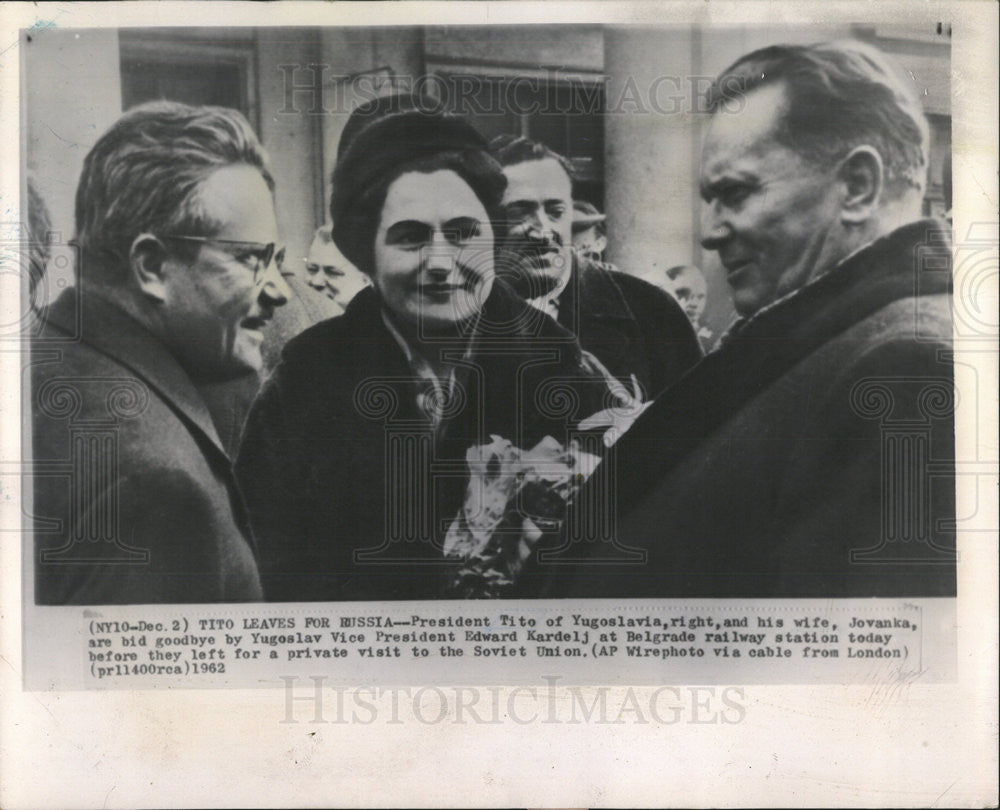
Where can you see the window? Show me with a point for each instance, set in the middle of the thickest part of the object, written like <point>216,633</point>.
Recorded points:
<point>566,114</point>
<point>189,67</point>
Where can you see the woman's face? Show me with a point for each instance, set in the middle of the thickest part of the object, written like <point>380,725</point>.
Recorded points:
<point>433,251</point>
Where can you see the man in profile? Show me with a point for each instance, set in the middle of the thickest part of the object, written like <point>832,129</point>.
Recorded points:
<point>229,400</point>
<point>636,331</point>
<point>812,454</point>
<point>135,499</point>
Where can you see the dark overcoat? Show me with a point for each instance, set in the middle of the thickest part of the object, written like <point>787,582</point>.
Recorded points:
<point>631,326</point>
<point>134,498</point>
<point>350,488</point>
<point>811,455</point>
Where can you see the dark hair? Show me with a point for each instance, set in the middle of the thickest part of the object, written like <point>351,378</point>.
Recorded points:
<point>359,223</point>
<point>145,172</point>
<point>509,150</point>
<point>839,95</point>
<point>387,138</point>
<point>378,109</point>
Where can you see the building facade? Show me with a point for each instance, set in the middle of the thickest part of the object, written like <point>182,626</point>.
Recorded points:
<point>625,104</point>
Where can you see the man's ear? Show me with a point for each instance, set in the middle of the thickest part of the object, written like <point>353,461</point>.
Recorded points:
<point>862,178</point>
<point>146,260</point>
<point>600,243</point>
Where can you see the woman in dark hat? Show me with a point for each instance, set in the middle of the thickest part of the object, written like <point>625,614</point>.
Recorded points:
<point>354,460</point>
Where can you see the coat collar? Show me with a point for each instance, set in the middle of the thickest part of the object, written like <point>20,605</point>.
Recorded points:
<point>493,330</point>
<point>592,295</point>
<point>111,331</point>
<point>906,262</point>
<point>913,261</point>
<point>509,338</point>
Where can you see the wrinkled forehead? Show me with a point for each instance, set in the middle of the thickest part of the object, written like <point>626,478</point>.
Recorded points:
<point>239,201</point>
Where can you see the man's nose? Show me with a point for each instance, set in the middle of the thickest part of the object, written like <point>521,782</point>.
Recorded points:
<point>540,227</point>
<point>274,289</point>
<point>714,228</point>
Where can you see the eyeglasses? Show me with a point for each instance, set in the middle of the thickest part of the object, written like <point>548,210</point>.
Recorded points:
<point>257,256</point>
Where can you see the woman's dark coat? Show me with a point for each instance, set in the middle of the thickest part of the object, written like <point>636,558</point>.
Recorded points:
<point>349,488</point>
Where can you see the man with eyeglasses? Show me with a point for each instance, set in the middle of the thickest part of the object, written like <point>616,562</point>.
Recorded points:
<point>177,278</point>
<point>308,304</point>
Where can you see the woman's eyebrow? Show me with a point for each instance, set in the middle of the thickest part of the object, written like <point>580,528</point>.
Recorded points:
<point>462,222</point>
<point>406,227</point>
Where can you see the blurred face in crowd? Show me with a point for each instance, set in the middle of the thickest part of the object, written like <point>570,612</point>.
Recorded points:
<point>589,242</point>
<point>771,214</point>
<point>329,273</point>
<point>689,289</point>
<point>217,305</point>
<point>433,250</point>
<point>538,209</point>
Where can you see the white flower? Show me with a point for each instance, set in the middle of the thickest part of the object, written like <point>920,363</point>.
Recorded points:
<point>512,496</point>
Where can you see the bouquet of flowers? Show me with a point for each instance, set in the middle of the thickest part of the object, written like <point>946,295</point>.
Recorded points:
<point>512,498</point>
